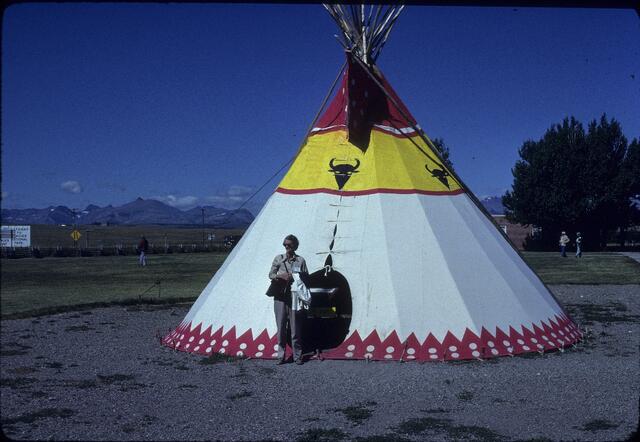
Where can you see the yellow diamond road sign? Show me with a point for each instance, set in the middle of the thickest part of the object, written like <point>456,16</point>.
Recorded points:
<point>75,235</point>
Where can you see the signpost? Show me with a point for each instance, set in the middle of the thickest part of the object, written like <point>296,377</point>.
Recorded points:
<point>76,236</point>
<point>16,236</point>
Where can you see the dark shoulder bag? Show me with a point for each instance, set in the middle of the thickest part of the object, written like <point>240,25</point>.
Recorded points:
<point>278,286</point>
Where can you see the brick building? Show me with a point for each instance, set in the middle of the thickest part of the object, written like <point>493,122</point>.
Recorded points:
<point>517,233</point>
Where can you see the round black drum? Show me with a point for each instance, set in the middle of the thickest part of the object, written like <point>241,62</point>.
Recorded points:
<point>329,315</point>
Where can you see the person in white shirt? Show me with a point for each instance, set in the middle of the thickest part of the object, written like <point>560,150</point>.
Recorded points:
<point>564,240</point>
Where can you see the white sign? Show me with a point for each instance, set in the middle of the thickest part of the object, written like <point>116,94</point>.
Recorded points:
<point>16,236</point>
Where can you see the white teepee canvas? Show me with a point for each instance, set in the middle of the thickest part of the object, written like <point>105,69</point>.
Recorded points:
<point>404,263</point>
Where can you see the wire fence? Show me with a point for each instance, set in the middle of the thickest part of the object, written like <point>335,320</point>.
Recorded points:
<point>117,250</point>
<point>84,241</point>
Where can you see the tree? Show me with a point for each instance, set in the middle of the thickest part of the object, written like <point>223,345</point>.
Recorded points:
<point>575,181</point>
<point>630,178</point>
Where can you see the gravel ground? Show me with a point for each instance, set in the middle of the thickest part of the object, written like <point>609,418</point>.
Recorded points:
<point>102,375</point>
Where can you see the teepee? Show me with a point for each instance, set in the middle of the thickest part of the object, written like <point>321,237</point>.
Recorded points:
<point>405,263</point>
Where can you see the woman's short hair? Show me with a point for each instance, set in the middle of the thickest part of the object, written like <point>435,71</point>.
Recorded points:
<point>293,239</point>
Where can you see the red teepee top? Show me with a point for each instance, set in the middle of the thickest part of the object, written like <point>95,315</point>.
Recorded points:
<point>360,105</point>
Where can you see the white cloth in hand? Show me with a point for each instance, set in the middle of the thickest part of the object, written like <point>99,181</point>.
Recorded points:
<point>300,294</point>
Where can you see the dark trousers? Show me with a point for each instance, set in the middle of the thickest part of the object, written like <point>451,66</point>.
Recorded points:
<point>286,316</point>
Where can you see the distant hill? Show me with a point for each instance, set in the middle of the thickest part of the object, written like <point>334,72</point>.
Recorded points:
<point>148,211</point>
<point>493,204</point>
<point>137,212</point>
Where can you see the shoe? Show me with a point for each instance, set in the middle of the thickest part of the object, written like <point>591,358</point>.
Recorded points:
<point>299,361</point>
<point>284,361</point>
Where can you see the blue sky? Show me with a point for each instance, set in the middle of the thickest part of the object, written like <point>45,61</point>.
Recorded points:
<point>199,104</point>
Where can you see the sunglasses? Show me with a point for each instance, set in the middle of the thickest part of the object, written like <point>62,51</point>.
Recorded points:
<point>288,244</point>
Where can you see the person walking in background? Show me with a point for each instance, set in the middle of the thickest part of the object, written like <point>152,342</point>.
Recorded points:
<point>564,240</point>
<point>578,245</point>
<point>143,247</point>
<point>283,267</point>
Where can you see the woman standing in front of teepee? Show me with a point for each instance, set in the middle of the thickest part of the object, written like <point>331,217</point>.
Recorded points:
<point>283,267</point>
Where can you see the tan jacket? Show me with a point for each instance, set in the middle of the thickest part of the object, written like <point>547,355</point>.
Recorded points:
<point>281,264</point>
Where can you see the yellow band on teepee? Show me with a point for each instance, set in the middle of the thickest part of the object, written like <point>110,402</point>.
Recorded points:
<point>391,164</point>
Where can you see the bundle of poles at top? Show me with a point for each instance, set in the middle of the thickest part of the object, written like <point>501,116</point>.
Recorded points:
<point>365,29</point>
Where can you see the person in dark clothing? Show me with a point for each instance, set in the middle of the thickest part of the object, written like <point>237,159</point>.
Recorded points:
<point>578,245</point>
<point>143,247</point>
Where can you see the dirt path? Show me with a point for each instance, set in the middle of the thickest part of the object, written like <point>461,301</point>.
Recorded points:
<point>102,375</point>
<point>632,255</point>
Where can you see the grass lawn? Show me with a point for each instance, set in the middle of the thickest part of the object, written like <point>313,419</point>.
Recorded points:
<point>31,286</point>
<point>592,268</point>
